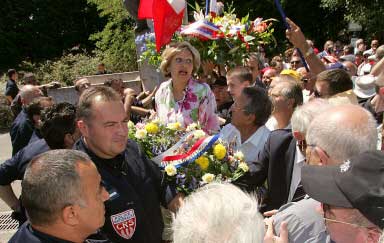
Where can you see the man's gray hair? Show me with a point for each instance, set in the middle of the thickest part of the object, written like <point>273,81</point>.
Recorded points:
<point>303,115</point>
<point>51,183</point>
<point>293,91</point>
<point>219,213</point>
<point>342,141</point>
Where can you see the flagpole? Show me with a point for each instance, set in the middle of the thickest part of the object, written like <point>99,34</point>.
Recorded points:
<point>206,7</point>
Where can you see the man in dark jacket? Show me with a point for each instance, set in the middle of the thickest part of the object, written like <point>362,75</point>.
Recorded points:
<point>59,131</point>
<point>132,180</point>
<point>67,208</point>
<point>11,88</point>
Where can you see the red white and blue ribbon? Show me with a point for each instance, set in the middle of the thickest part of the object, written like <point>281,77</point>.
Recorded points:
<point>202,29</point>
<point>198,149</point>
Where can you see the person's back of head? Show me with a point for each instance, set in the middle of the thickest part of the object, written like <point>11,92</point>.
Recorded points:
<point>28,93</point>
<point>242,74</point>
<point>337,79</point>
<point>379,53</point>
<point>58,124</point>
<point>35,108</point>
<point>219,213</point>
<point>304,114</point>
<point>343,131</point>
<point>11,72</point>
<point>258,104</point>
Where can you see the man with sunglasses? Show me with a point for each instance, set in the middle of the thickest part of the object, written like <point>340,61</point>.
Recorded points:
<point>307,82</point>
<point>334,136</point>
<point>351,196</point>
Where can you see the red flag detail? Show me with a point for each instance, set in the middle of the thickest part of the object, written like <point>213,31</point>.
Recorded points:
<point>145,9</point>
<point>166,21</point>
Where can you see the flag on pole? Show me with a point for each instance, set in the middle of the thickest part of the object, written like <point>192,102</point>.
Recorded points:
<point>167,17</point>
<point>213,8</point>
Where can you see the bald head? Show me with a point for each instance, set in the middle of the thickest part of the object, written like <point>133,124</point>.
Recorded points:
<point>28,93</point>
<point>81,85</point>
<point>343,131</point>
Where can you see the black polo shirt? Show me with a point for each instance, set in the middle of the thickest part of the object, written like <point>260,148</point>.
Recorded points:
<point>11,88</point>
<point>132,213</point>
<point>28,234</point>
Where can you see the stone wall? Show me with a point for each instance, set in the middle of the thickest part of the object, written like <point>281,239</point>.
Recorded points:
<point>69,94</point>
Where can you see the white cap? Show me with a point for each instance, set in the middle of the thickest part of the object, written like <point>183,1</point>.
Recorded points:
<point>365,86</point>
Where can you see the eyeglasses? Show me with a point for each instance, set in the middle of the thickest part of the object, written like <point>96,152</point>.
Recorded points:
<point>305,80</point>
<point>327,208</point>
<point>179,60</point>
<point>295,62</point>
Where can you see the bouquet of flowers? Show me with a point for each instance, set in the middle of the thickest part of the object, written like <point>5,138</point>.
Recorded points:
<point>209,159</point>
<point>158,140</point>
<point>220,39</point>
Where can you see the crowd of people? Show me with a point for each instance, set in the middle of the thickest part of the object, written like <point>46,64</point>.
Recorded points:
<point>309,127</point>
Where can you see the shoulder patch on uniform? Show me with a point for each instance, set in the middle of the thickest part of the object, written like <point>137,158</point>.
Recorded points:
<point>124,223</point>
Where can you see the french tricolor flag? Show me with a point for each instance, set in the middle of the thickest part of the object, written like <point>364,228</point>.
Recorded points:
<point>167,17</point>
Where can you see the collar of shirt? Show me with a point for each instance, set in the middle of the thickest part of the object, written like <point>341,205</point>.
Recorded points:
<point>299,158</point>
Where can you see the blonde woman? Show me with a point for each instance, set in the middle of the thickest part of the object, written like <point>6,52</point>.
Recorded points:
<point>183,99</point>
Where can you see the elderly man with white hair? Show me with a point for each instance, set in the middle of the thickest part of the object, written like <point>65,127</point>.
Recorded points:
<point>334,136</point>
<point>219,213</point>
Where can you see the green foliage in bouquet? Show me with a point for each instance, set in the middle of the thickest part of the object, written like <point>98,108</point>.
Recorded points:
<point>218,163</point>
<point>230,45</point>
<point>154,137</point>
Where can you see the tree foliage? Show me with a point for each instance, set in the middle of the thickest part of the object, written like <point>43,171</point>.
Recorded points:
<point>115,44</point>
<point>368,13</point>
<point>37,30</point>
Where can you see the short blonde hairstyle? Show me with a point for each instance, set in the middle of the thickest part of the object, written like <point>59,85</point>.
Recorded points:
<point>174,49</point>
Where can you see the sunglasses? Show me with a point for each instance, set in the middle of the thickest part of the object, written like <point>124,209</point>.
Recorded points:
<point>295,62</point>
<point>305,80</point>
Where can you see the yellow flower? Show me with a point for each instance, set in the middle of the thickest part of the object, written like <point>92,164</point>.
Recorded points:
<point>171,170</point>
<point>174,126</point>
<point>152,128</point>
<point>239,155</point>
<point>208,177</point>
<point>203,162</point>
<point>219,151</point>
<point>141,133</point>
<point>243,166</point>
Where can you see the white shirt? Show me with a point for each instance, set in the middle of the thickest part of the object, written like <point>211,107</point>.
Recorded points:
<point>250,148</point>
<point>296,172</point>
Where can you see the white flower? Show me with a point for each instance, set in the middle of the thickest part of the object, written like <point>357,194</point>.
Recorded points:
<point>171,170</point>
<point>239,155</point>
<point>243,166</point>
<point>199,134</point>
<point>141,133</point>
<point>174,126</point>
<point>156,120</point>
<point>131,125</point>
<point>191,127</point>
<point>208,177</point>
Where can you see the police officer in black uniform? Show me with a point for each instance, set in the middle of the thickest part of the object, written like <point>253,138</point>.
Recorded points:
<point>132,181</point>
<point>59,131</point>
<point>66,209</point>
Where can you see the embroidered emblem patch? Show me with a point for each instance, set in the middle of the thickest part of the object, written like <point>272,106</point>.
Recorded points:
<point>344,167</point>
<point>124,223</point>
